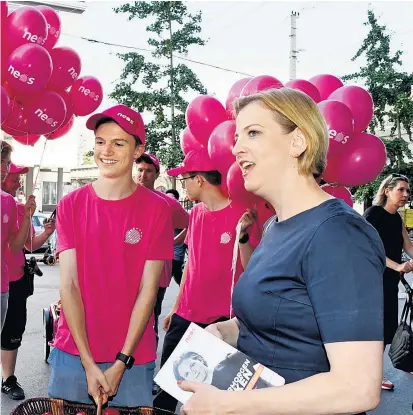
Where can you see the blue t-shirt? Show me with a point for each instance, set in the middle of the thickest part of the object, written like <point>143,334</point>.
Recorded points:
<point>315,278</point>
<point>179,250</point>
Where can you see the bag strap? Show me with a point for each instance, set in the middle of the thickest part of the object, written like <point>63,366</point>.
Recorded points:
<point>269,223</point>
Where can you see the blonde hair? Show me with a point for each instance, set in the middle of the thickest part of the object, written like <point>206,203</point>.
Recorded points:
<point>390,182</point>
<point>293,109</point>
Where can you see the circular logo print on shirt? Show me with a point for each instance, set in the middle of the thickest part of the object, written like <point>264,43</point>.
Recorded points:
<point>225,238</point>
<point>5,218</point>
<point>133,236</point>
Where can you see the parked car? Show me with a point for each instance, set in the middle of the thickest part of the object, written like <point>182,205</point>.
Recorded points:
<point>37,221</point>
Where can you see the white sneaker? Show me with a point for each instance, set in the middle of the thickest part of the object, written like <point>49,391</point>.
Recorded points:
<point>387,385</point>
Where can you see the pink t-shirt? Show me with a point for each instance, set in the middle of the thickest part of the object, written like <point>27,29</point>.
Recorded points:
<point>8,228</point>
<point>113,240</point>
<point>180,220</point>
<point>15,261</point>
<point>206,294</point>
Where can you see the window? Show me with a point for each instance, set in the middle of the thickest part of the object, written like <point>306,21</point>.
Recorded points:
<point>49,193</point>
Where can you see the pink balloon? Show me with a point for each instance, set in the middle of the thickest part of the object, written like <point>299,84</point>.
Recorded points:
<point>4,13</point>
<point>69,107</point>
<point>340,124</point>
<point>86,94</point>
<point>339,192</point>
<point>234,94</point>
<point>360,103</point>
<point>45,113</point>
<point>188,142</point>
<point>260,83</point>
<point>66,68</point>
<point>203,114</point>
<point>28,139</point>
<point>5,105</point>
<point>360,164</point>
<point>13,125</point>
<point>60,132</point>
<point>220,145</point>
<point>53,26</point>
<point>25,25</point>
<point>326,84</point>
<point>29,68</point>
<point>236,187</point>
<point>305,86</point>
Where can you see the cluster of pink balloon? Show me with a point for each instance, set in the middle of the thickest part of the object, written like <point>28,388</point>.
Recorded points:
<point>354,157</point>
<point>36,77</point>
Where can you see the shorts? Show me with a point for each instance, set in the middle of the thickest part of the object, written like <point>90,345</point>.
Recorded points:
<point>4,303</point>
<point>16,317</point>
<point>68,381</point>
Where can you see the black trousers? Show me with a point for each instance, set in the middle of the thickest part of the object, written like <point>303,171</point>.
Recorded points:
<point>175,333</point>
<point>158,309</point>
<point>177,270</point>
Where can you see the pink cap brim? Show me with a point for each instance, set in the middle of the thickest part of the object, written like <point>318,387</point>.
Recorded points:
<point>19,170</point>
<point>177,171</point>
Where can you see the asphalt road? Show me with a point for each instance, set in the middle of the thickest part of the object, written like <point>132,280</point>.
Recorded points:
<point>33,372</point>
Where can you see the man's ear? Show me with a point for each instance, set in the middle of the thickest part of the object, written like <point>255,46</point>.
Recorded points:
<point>139,150</point>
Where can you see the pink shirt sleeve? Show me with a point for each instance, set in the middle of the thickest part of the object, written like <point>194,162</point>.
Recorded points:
<point>64,225</point>
<point>180,216</point>
<point>161,245</point>
<point>14,224</point>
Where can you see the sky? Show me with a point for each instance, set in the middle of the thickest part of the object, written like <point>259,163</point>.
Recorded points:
<point>250,37</point>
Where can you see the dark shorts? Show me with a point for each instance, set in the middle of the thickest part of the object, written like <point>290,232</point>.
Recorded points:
<point>16,316</point>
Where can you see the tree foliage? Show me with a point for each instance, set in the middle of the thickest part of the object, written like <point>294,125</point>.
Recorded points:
<point>390,88</point>
<point>159,86</point>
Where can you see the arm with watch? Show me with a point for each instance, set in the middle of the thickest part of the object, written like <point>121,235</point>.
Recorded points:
<point>245,248</point>
<point>141,313</point>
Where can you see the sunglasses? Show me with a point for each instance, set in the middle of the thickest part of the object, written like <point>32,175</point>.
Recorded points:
<point>399,176</point>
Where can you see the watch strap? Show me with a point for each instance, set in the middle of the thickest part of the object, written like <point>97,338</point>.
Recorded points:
<point>128,360</point>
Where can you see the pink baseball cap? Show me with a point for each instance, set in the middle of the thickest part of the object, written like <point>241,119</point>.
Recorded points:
<point>151,159</point>
<point>194,161</point>
<point>128,119</point>
<point>13,169</point>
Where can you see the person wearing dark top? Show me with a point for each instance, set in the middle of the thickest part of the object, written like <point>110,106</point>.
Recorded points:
<point>309,304</point>
<point>179,248</point>
<point>393,194</point>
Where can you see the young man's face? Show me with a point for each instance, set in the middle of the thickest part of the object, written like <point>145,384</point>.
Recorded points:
<point>12,184</point>
<point>191,184</point>
<point>115,151</point>
<point>147,175</point>
<point>5,166</point>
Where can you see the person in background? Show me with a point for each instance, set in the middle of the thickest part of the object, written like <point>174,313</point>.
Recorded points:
<point>392,195</point>
<point>206,287</point>
<point>148,171</point>
<point>13,237</point>
<point>110,271</point>
<point>303,308</point>
<point>179,248</point>
<point>20,288</point>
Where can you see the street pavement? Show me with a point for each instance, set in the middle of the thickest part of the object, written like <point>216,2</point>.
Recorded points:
<point>33,372</point>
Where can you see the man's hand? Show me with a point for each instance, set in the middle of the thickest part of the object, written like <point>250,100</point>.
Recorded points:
<point>50,227</point>
<point>114,375</point>
<point>247,219</point>
<point>405,267</point>
<point>207,400</point>
<point>30,207</point>
<point>213,329</point>
<point>167,321</point>
<point>97,384</point>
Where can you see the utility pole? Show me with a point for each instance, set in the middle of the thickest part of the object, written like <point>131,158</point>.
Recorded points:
<point>293,45</point>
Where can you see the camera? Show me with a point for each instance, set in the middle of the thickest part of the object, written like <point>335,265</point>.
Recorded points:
<point>33,267</point>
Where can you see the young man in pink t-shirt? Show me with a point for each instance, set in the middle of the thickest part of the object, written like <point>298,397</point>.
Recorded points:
<point>20,288</point>
<point>12,237</point>
<point>113,238</point>
<point>148,171</point>
<point>205,290</point>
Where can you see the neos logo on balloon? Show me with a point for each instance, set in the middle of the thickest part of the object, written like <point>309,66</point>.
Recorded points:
<point>52,30</point>
<point>44,117</point>
<point>21,77</point>
<point>33,38</point>
<point>73,73</point>
<point>89,93</point>
<point>339,137</point>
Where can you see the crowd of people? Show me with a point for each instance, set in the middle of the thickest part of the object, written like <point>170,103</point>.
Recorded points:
<point>305,297</point>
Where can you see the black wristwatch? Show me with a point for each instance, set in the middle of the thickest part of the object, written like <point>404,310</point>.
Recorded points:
<point>128,360</point>
<point>244,239</point>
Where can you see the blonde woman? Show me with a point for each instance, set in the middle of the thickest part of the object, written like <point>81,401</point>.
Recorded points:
<point>393,194</point>
<point>309,304</point>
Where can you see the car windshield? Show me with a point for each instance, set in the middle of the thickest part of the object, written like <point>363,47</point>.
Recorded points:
<point>37,221</point>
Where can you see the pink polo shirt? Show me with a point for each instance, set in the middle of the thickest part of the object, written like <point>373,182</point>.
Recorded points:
<point>113,240</point>
<point>206,294</point>
<point>180,220</point>
<point>15,261</point>
<point>8,228</point>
